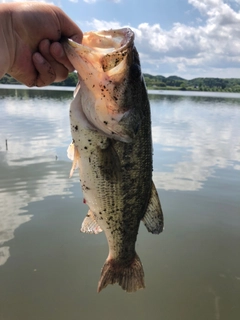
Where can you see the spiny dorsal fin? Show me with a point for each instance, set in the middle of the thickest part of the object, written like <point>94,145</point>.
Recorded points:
<point>90,225</point>
<point>153,218</point>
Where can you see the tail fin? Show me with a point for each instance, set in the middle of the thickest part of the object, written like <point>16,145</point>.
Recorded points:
<point>130,277</point>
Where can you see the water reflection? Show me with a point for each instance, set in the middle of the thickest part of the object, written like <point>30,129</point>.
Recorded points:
<point>34,166</point>
<point>21,91</point>
<point>193,137</point>
<point>49,270</point>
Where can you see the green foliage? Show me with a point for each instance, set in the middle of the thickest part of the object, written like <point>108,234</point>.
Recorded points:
<point>6,79</point>
<point>197,84</point>
<point>71,80</point>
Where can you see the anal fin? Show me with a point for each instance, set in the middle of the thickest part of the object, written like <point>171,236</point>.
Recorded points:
<point>153,218</point>
<point>90,225</point>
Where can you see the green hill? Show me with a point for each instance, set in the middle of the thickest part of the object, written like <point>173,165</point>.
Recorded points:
<point>160,82</point>
<point>175,78</point>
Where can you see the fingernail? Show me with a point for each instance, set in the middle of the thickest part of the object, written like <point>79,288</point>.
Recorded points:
<point>77,38</point>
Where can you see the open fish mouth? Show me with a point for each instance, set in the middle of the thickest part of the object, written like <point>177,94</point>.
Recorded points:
<point>105,49</point>
<point>103,62</point>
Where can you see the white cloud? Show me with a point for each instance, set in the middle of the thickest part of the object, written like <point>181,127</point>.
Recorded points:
<point>96,24</point>
<point>212,48</point>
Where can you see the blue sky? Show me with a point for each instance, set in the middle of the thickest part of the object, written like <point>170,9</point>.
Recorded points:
<point>188,38</point>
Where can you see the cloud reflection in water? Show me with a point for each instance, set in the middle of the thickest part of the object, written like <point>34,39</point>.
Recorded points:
<point>193,136</point>
<point>36,126</point>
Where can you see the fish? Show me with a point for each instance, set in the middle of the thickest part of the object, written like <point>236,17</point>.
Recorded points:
<point>112,149</point>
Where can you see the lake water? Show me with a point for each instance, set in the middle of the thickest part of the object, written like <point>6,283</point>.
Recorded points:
<point>49,270</point>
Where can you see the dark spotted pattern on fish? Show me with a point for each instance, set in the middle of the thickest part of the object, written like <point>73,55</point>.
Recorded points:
<point>111,128</point>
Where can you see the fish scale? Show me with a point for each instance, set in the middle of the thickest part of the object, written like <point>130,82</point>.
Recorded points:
<point>112,147</point>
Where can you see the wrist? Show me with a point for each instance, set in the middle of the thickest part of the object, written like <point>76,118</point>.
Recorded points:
<point>7,47</point>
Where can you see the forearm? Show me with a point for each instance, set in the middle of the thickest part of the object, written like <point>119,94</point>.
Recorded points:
<point>6,39</point>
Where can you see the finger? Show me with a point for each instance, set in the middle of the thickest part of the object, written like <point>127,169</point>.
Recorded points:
<point>61,72</point>
<point>46,74</point>
<point>59,54</point>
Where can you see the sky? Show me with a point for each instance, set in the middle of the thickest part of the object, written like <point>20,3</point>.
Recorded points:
<point>187,38</point>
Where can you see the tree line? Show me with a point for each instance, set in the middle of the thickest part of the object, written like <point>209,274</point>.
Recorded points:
<point>196,84</point>
<point>162,83</point>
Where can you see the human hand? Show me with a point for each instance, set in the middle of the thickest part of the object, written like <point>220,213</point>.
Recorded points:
<point>51,63</point>
<point>32,31</point>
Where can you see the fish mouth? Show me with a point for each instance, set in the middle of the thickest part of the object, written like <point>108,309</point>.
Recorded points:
<point>103,62</point>
<point>104,49</point>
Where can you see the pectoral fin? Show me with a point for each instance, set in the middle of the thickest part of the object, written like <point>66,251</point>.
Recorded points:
<point>153,218</point>
<point>73,155</point>
<point>90,225</point>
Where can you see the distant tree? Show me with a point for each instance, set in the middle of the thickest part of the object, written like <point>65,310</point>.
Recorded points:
<point>161,84</point>
<point>183,86</point>
<point>72,79</point>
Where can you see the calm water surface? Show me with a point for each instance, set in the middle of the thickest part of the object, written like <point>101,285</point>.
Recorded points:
<point>49,270</point>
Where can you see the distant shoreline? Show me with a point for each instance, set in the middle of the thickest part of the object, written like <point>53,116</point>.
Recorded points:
<point>150,91</point>
<point>160,83</point>
<point>22,86</point>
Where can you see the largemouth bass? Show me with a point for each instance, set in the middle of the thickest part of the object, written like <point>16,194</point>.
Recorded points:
<point>112,147</point>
